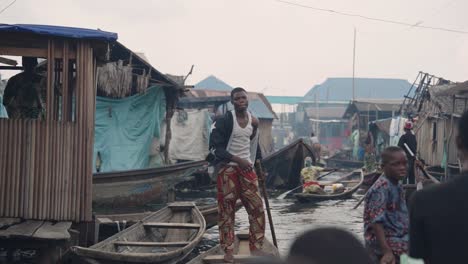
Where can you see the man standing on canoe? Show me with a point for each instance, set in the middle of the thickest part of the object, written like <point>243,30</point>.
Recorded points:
<point>386,219</point>
<point>234,145</point>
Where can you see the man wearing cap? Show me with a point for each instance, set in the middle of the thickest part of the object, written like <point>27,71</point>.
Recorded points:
<point>410,139</point>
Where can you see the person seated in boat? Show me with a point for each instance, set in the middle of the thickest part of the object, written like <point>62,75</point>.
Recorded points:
<point>386,219</point>
<point>439,214</point>
<point>25,92</point>
<point>327,245</point>
<point>234,149</point>
<point>309,176</point>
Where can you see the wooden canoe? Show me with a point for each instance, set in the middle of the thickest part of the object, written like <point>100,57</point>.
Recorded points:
<point>351,186</point>
<point>108,223</point>
<point>343,160</point>
<point>115,191</point>
<point>242,252</point>
<point>166,236</point>
<point>343,163</point>
<point>284,166</point>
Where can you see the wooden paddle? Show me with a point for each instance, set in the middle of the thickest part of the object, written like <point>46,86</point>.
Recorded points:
<point>364,196</point>
<point>261,177</point>
<point>427,175</point>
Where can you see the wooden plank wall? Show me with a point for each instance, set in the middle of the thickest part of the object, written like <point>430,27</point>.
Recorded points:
<point>46,165</point>
<point>433,151</point>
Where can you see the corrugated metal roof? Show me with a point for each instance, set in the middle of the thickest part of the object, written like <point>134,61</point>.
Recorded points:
<point>60,31</point>
<point>380,105</point>
<point>213,83</point>
<point>339,89</point>
<point>326,112</point>
<point>284,99</point>
<point>258,103</point>
<point>448,104</point>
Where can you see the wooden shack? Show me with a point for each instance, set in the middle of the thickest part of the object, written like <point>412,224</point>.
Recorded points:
<point>440,108</point>
<point>46,162</point>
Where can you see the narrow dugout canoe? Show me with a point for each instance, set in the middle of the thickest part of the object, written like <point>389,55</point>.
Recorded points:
<point>166,236</point>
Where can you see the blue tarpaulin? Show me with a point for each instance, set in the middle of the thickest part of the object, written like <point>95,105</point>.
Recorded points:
<point>59,31</point>
<point>125,129</point>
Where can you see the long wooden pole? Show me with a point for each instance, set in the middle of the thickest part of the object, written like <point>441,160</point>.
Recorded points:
<point>354,63</point>
<point>261,177</point>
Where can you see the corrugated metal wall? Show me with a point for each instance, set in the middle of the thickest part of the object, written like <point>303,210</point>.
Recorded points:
<point>46,165</point>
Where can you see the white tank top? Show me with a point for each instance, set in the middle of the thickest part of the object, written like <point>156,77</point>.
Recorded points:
<point>239,143</point>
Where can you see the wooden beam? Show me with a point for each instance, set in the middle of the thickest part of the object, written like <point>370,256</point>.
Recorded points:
<point>33,52</point>
<point>171,225</point>
<point>25,229</point>
<point>8,61</point>
<point>151,244</point>
<point>19,68</point>
<point>237,259</point>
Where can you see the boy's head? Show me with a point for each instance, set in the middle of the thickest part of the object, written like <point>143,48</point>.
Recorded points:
<point>325,242</point>
<point>394,163</point>
<point>462,137</point>
<point>239,99</point>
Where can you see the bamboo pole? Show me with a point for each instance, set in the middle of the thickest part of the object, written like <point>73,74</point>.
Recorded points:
<point>3,150</point>
<point>31,169</point>
<point>14,167</point>
<point>53,169</point>
<point>65,79</point>
<point>20,161</point>
<point>80,104</point>
<point>8,178</point>
<point>49,116</point>
<point>61,151</point>
<point>91,121</point>
<point>68,170</point>
<point>38,202</point>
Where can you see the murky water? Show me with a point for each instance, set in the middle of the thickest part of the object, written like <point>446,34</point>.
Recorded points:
<point>291,219</point>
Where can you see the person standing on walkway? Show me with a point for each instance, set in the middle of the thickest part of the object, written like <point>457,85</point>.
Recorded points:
<point>439,214</point>
<point>386,219</point>
<point>234,146</point>
<point>316,147</point>
<point>410,139</point>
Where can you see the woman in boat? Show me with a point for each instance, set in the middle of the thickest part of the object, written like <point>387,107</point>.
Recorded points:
<point>309,175</point>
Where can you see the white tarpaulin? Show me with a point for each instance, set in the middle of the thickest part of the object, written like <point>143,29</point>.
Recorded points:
<point>396,130</point>
<point>190,135</point>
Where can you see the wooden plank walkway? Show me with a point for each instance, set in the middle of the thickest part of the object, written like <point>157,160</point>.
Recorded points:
<point>34,229</point>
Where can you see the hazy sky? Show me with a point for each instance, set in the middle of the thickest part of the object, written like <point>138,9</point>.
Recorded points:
<point>265,45</point>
